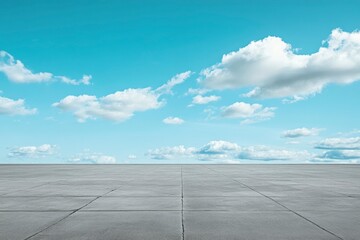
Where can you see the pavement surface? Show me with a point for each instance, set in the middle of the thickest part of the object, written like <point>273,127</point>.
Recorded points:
<point>195,202</point>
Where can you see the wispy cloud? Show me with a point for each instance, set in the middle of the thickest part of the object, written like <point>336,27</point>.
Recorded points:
<point>16,72</point>
<point>94,158</point>
<point>352,143</point>
<point>275,70</point>
<point>301,132</point>
<point>14,107</point>
<point>32,151</point>
<point>173,120</point>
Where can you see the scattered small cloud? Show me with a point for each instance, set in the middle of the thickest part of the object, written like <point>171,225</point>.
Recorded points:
<point>44,150</point>
<point>94,158</point>
<point>173,120</point>
<point>201,100</point>
<point>167,153</point>
<point>301,132</point>
<point>228,152</point>
<point>121,105</point>
<point>132,156</point>
<point>275,70</point>
<point>16,72</point>
<point>176,80</point>
<point>352,143</point>
<point>15,107</point>
<point>251,113</point>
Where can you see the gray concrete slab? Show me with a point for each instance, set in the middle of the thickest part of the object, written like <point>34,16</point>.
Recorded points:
<point>179,202</point>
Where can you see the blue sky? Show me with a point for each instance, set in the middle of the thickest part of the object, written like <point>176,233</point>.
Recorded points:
<point>179,82</point>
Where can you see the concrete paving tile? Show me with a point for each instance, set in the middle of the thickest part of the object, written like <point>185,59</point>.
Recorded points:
<point>135,203</point>
<point>231,204</point>
<point>19,225</point>
<point>42,203</point>
<point>319,203</point>
<point>345,224</point>
<point>151,191</point>
<point>250,226</point>
<point>116,226</point>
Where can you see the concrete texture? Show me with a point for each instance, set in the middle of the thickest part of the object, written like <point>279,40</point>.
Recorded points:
<point>194,202</point>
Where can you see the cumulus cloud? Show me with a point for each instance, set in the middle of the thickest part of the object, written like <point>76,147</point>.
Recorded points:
<point>228,152</point>
<point>173,120</point>
<point>16,72</point>
<point>94,158</point>
<point>352,143</point>
<point>132,156</point>
<point>250,112</point>
<point>301,132</point>
<point>275,70</point>
<point>198,99</point>
<point>120,105</point>
<point>14,107</point>
<point>32,151</point>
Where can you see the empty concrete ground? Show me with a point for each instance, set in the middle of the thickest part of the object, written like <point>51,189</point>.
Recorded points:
<point>134,202</point>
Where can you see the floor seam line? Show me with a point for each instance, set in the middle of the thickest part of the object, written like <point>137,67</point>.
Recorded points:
<point>299,215</point>
<point>182,206</point>
<point>73,212</point>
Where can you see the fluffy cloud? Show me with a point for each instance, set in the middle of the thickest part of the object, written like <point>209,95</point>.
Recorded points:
<point>198,99</point>
<point>32,151</point>
<point>250,112</point>
<point>120,105</point>
<point>300,132</point>
<point>173,120</point>
<point>14,107</point>
<point>225,152</point>
<point>352,143</point>
<point>16,71</point>
<point>171,152</point>
<point>94,158</point>
<point>274,69</point>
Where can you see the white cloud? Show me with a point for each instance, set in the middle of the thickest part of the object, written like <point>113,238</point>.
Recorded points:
<point>219,147</point>
<point>198,99</point>
<point>197,91</point>
<point>171,152</point>
<point>16,72</point>
<point>340,155</point>
<point>265,153</point>
<point>228,152</point>
<point>14,107</point>
<point>118,106</point>
<point>94,158</point>
<point>132,156</point>
<point>275,70</point>
<point>32,151</point>
<point>84,80</point>
<point>173,120</point>
<point>352,143</point>
<point>250,112</point>
<point>177,79</point>
<point>301,132</point>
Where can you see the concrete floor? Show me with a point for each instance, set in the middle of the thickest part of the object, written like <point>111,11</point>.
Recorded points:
<point>196,202</point>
